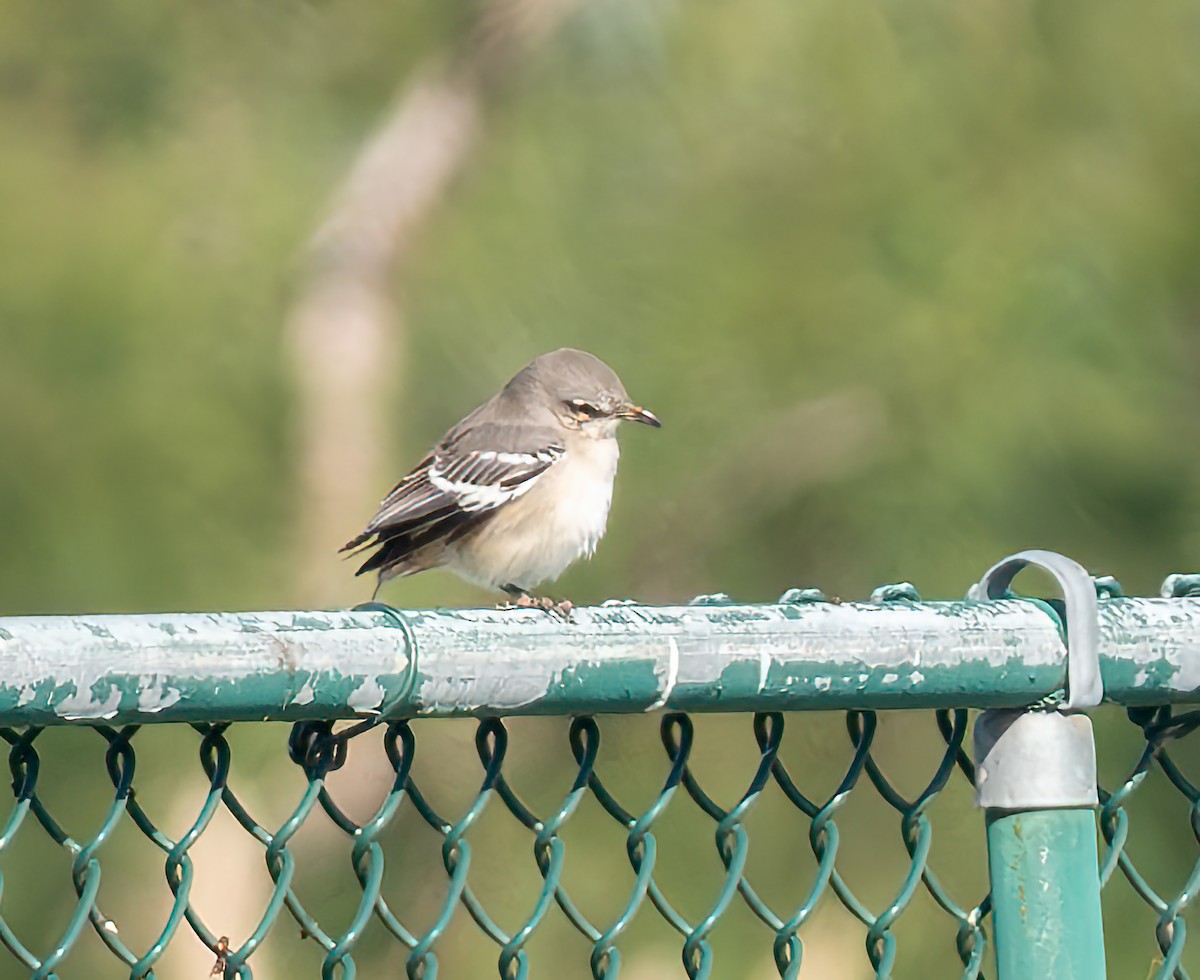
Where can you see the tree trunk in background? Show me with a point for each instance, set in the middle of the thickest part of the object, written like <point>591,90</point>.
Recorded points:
<point>345,332</point>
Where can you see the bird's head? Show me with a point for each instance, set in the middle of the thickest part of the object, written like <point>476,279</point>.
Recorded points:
<point>586,394</point>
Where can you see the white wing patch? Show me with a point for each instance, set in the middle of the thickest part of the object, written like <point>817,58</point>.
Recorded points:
<point>485,480</point>
<point>521,459</point>
<point>472,497</point>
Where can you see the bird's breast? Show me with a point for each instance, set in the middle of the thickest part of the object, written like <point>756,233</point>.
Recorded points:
<point>560,519</point>
<point>580,491</point>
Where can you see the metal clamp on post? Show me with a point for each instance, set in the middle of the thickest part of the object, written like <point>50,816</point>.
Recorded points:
<point>1035,773</point>
<point>1043,758</point>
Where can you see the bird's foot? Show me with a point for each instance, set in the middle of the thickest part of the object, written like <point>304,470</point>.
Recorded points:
<point>561,609</point>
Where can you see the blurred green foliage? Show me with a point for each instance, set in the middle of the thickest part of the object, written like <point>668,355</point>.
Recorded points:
<point>978,224</point>
<point>912,286</point>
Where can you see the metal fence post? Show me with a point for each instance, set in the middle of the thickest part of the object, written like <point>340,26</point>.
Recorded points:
<point>1037,782</point>
<point>1035,778</point>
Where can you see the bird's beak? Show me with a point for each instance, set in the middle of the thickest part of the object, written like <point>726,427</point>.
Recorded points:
<point>635,413</point>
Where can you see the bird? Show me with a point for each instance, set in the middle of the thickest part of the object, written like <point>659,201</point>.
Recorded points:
<point>516,491</point>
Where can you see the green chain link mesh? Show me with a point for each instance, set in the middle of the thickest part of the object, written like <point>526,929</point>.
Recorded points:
<point>418,939</point>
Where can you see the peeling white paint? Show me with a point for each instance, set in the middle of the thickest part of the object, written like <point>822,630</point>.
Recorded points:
<point>672,675</point>
<point>84,707</point>
<point>1154,633</point>
<point>155,695</point>
<point>367,697</point>
<point>504,661</point>
<point>213,646</point>
<point>1187,677</point>
<point>306,694</point>
<point>79,668</point>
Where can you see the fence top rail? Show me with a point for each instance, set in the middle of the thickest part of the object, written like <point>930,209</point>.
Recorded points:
<point>708,656</point>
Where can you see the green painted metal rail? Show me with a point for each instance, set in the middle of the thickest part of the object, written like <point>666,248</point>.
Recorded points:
<point>796,655</point>
<point>222,674</point>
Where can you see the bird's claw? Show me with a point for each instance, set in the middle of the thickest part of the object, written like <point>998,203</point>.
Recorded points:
<point>560,610</point>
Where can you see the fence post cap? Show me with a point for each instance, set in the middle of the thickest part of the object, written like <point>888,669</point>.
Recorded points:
<point>1034,760</point>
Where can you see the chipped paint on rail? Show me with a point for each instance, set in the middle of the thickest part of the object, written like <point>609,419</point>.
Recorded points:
<point>1150,649</point>
<point>672,675</point>
<point>613,658</point>
<point>168,667</point>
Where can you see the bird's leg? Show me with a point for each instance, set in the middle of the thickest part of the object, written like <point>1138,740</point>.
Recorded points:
<point>518,598</point>
<point>523,600</point>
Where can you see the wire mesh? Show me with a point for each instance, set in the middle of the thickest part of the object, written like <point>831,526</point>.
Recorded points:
<point>318,751</point>
<point>637,883</point>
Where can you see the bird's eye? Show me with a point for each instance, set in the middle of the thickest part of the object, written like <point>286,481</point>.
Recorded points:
<point>583,409</point>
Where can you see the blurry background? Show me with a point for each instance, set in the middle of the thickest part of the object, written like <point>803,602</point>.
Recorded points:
<point>912,287</point>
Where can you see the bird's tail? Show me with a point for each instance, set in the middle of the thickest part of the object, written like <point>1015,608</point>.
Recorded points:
<point>357,541</point>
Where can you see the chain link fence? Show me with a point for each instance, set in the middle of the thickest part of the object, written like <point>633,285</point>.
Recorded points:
<point>746,843</point>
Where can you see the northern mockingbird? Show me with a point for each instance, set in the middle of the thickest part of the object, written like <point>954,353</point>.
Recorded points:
<point>517,490</point>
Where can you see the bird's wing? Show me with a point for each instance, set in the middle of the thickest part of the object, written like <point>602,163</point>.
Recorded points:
<point>467,475</point>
